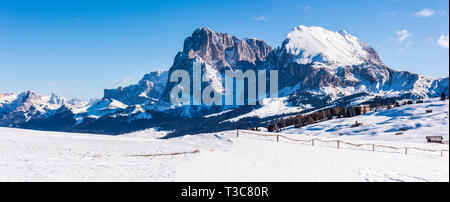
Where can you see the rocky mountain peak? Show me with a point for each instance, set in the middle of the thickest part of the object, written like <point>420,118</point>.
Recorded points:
<point>27,96</point>
<point>55,99</point>
<point>204,41</point>
<point>223,50</point>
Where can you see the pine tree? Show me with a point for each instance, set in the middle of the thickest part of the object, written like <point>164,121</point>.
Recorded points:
<point>310,120</point>
<point>323,115</point>
<point>329,114</point>
<point>443,96</point>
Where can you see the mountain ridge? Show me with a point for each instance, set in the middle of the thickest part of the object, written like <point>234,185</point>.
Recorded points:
<point>317,68</point>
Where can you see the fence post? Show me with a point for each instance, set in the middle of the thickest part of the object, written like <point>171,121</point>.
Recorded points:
<point>373,147</point>
<point>237,133</point>
<point>312,142</point>
<point>442,153</point>
<point>406,150</point>
<point>338,144</point>
<point>278,138</point>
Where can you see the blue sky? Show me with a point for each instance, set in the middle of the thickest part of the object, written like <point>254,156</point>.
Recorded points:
<point>78,48</point>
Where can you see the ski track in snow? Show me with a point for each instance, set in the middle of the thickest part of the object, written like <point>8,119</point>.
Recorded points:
<point>27,155</point>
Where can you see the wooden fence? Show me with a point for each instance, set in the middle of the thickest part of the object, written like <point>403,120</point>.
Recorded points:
<point>339,142</point>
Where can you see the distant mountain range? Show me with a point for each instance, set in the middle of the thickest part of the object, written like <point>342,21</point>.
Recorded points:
<point>317,68</point>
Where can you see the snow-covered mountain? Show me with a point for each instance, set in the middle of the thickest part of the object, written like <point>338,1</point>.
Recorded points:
<point>317,68</point>
<point>311,60</point>
<point>15,109</point>
<point>150,88</point>
<point>218,52</point>
<point>337,64</point>
<point>315,44</point>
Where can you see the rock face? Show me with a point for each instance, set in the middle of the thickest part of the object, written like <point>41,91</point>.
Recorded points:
<point>221,50</point>
<point>218,52</point>
<point>150,88</point>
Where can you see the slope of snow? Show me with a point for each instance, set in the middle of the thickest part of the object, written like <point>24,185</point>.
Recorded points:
<point>82,106</point>
<point>272,107</point>
<point>27,155</point>
<point>7,98</point>
<point>316,44</point>
<point>106,106</point>
<point>47,156</point>
<point>151,133</point>
<point>411,120</point>
<point>250,160</point>
<point>218,114</point>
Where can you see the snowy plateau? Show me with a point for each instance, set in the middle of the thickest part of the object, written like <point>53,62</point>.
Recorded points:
<point>28,155</point>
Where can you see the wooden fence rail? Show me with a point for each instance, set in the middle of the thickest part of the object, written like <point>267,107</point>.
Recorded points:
<point>339,142</point>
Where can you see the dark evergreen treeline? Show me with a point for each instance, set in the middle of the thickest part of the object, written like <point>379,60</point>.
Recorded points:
<point>301,120</point>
